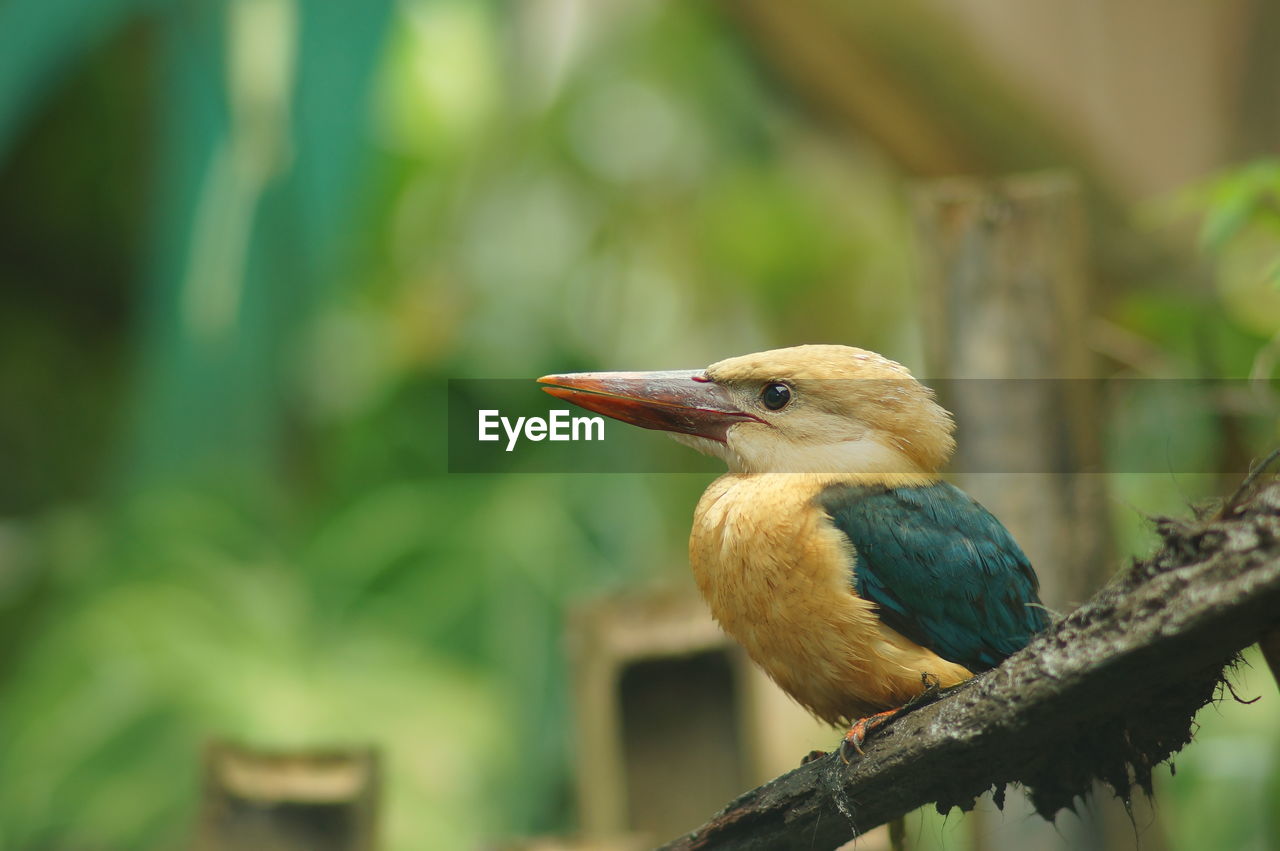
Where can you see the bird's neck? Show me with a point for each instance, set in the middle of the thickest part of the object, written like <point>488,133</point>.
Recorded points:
<point>863,456</point>
<point>814,483</point>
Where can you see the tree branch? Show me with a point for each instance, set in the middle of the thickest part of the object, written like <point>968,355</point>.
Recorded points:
<point>1107,693</point>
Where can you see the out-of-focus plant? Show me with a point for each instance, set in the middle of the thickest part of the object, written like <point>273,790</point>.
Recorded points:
<point>1239,203</point>
<point>1240,233</point>
<point>348,203</point>
<point>183,618</point>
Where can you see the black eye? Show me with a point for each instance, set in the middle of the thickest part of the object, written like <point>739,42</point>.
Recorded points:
<point>775,396</point>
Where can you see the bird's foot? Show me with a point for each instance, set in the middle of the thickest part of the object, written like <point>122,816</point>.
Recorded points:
<point>861,729</point>
<point>811,756</point>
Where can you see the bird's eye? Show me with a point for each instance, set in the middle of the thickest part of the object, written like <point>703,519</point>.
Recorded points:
<point>775,396</point>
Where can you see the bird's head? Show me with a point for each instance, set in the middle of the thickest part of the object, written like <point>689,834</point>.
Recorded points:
<point>806,409</point>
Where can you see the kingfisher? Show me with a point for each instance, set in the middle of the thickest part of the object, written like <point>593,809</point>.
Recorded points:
<point>832,550</point>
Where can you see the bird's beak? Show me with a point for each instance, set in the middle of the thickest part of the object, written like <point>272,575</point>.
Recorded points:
<point>683,401</point>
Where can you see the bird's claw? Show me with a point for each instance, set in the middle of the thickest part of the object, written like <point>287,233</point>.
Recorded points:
<point>853,741</point>
<point>859,731</point>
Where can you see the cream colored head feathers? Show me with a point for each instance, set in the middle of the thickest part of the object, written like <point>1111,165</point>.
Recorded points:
<point>847,410</point>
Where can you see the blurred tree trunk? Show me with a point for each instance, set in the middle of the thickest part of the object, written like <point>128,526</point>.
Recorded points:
<point>1005,294</point>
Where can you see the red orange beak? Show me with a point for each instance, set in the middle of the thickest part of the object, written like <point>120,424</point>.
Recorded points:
<point>683,401</point>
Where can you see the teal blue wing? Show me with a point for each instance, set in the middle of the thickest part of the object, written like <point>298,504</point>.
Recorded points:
<point>941,570</point>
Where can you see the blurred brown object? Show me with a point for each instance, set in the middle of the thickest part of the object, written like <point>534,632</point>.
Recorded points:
<point>318,800</point>
<point>672,719</point>
<point>658,705</point>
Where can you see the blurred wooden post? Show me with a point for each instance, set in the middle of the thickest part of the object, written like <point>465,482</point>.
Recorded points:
<point>656,714</point>
<point>1005,289</point>
<point>672,720</point>
<point>287,801</point>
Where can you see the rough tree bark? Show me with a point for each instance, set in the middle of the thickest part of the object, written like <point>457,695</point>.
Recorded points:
<point>1108,693</point>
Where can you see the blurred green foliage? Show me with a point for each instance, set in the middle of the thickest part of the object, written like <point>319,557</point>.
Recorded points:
<point>1239,200</point>
<point>246,243</point>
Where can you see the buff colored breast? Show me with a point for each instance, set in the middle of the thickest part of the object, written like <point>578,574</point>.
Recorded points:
<point>776,575</point>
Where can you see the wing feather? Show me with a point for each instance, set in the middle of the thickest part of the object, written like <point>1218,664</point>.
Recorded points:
<point>942,571</point>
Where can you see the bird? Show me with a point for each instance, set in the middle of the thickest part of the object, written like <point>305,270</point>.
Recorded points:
<point>832,550</point>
